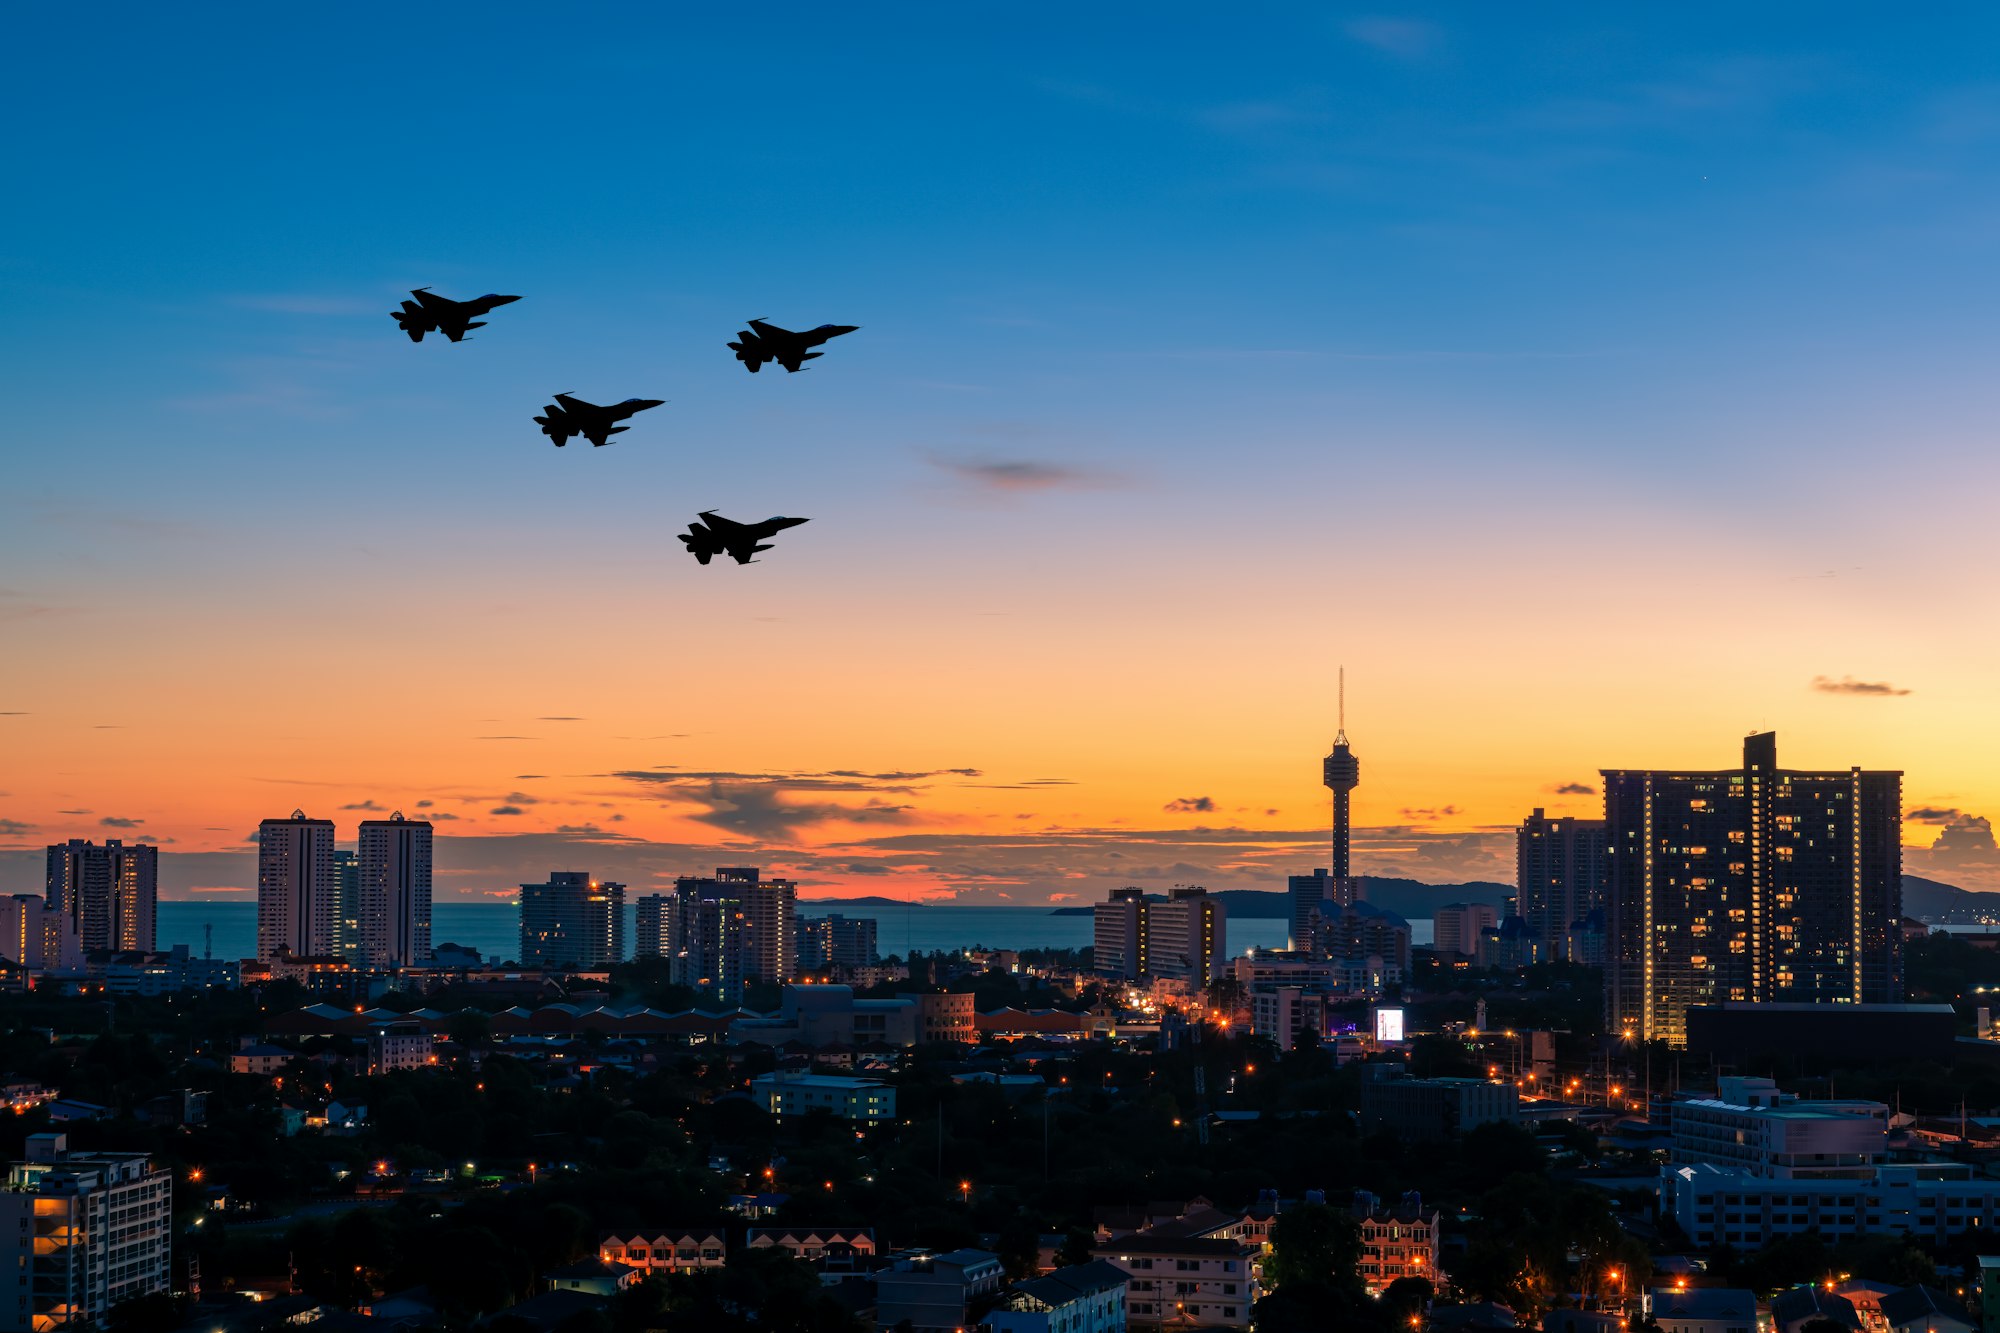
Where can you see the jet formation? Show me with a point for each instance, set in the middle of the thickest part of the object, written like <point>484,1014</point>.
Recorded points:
<point>431,313</point>
<point>569,415</point>
<point>763,342</point>
<point>715,535</point>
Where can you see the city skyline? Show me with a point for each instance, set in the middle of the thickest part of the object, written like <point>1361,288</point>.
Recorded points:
<point>1192,368</point>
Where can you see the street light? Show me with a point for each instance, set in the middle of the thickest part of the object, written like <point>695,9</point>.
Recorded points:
<point>965,1191</point>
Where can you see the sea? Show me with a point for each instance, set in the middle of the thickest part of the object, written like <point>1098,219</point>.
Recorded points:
<point>229,930</point>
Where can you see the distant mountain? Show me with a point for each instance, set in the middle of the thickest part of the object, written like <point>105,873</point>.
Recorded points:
<point>875,900</point>
<point>1930,900</point>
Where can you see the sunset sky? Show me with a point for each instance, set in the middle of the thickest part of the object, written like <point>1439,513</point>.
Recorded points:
<point>1596,387</point>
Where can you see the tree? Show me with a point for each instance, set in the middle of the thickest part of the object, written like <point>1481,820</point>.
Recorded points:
<point>1314,1245</point>
<point>1075,1248</point>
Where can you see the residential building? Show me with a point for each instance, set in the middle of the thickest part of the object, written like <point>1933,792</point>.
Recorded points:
<point>572,920</point>
<point>1396,1242</point>
<point>89,1231</point>
<point>593,1277</point>
<point>1118,935</point>
<point>1510,946</point>
<point>944,1016</point>
<point>1925,1310</point>
<point>1752,1165</point>
<point>35,934</point>
<point>295,887</point>
<point>1360,932</point>
<point>1456,927</point>
<point>837,943</point>
<point>1423,1110</point>
<point>260,1058</point>
<point>735,927</point>
<point>404,1045</point>
<point>838,1247</point>
<point>935,1292</point>
<point>864,1100</point>
<point>1704,1310</point>
<point>1560,872</point>
<point>396,892</point>
<point>1286,1014</point>
<point>1186,1282</point>
<point>1750,884</point>
<point>108,893</point>
<point>656,926</point>
<point>1079,1298</point>
<point>665,1251</point>
<point>1792,1310</point>
<point>169,973</point>
<point>348,940</point>
<point>1188,937</point>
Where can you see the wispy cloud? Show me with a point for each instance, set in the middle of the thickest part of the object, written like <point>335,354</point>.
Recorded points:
<point>1405,39</point>
<point>1190,805</point>
<point>1849,685</point>
<point>364,805</point>
<point>116,821</point>
<point>1023,476</point>
<point>1574,789</point>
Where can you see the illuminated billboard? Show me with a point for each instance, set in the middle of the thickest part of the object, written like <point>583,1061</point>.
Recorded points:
<point>1388,1025</point>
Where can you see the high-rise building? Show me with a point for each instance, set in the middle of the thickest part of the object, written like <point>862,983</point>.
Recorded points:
<point>395,891</point>
<point>1560,871</point>
<point>572,921</point>
<point>1750,884</point>
<point>1455,927</point>
<point>736,928</point>
<point>348,940</point>
<point>1118,935</point>
<point>837,941</point>
<point>36,935</point>
<point>1187,936</point>
<point>296,898</point>
<point>656,926</point>
<point>1312,896</point>
<point>108,892</point>
<point>89,1231</point>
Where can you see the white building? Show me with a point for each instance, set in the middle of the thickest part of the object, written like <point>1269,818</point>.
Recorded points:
<point>395,891</point>
<point>296,896</point>
<point>1455,927</point>
<point>394,1046</point>
<point>1082,1298</point>
<point>88,1231</point>
<point>862,1099</point>
<point>1201,1282</point>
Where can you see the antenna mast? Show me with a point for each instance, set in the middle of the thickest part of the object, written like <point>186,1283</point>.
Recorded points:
<point>1340,735</point>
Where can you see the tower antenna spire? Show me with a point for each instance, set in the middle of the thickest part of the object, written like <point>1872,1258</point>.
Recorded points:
<point>1340,735</point>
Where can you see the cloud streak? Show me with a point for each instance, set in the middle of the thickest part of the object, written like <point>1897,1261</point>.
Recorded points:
<point>1863,688</point>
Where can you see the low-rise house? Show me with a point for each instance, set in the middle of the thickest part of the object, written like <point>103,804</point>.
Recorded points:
<point>664,1251</point>
<point>1705,1310</point>
<point>1925,1310</point>
<point>866,1100</point>
<point>1792,1310</point>
<point>260,1058</point>
<point>1082,1298</point>
<point>851,1247</point>
<point>593,1277</point>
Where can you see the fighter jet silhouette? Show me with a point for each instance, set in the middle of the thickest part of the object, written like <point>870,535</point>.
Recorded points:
<point>569,416</point>
<point>763,342</point>
<point>431,313</point>
<point>726,536</point>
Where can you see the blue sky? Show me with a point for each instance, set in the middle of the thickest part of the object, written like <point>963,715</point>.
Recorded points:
<point>1257,334</point>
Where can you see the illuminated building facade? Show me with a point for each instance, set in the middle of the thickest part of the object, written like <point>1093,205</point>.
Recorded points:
<point>572,921</point>
<point>1118,935</point>
<point>35,934</point>
<point>735,928</point>
<point>107,892</point>
<point>1398,1242</point>
<point>89,1231</point>
<point>1755,884</point>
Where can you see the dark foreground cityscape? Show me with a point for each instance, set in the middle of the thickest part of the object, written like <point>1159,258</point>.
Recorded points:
<point>1702,1075</point>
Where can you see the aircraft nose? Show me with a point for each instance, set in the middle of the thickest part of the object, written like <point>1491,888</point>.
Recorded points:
<point>503,300</point>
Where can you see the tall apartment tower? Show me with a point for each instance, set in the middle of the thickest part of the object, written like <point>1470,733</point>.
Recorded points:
<point>1119,944</point>
<point>656,926</point>
<point>1187,936</point>
<point>395,891</point>
<point>108,894</point>
<point>88,1230</point>
<point>737,927</point>
<point>1753,884</point>
<point>837,941</point>
<point>572,921</point>
<point>35,935</point>
<point>296,889</point>
<point>1560,876</point>
<point>347,938</point>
